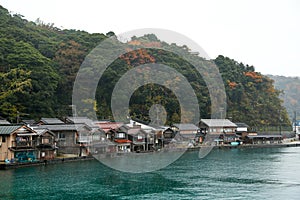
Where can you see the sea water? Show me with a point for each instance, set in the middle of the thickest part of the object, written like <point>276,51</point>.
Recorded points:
<point>254,173</point>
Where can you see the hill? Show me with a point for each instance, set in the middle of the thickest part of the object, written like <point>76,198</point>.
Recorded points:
<point>290,87</point>
<point>39,63</point>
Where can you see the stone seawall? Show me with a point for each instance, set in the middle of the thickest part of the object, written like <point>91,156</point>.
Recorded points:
<point>4,166</point>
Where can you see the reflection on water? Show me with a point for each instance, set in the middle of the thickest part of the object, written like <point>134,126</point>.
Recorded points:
<point>223,174</point>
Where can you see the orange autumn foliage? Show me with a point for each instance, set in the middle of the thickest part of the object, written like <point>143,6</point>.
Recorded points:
<point>232,85</point>
<point>137,57</point>
<point>254,75</point>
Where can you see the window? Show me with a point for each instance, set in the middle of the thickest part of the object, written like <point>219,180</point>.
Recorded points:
<point>3,139</point>
<point>61,136</point>
<point>140,138</point>
<point>121,135</point>
<point>46,141</point>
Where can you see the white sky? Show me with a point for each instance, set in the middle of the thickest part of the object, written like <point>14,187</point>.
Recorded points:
<point>265,34</point>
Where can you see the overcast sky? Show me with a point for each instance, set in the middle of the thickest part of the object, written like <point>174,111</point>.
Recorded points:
<point>265,34</point>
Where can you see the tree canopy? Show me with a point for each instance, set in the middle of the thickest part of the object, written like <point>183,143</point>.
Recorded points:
<point>39,63</point>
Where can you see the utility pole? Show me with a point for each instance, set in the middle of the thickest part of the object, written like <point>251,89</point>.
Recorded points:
<point>74,111</point>
<point>18,116</point>
<point>279,121</point>
<point>295,121</point>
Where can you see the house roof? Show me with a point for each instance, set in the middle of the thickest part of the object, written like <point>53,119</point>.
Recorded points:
<point>122,141</point>
<point>81,120</point>
<point>63,127</point>
<point>4,122</point>
<point>29,121</point>
<point>43,131</point>
<point>241,124</point>
<point>148,127</point>
<point>51,121</point>
<point>106,126</point>
<point>136,131</point>
<point>188,136</point>
<point>264,136</point>
<point>132,130</point>
<point>7,130</point>
<point>143,125</point>
<point>218,123</point>
<point>184,127</point>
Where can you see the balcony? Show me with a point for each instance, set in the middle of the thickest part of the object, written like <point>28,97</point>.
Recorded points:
<point>23,144</point>
<point>44,143</point>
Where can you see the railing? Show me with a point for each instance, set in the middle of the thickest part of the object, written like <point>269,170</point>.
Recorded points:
<point>84,139</point>
<point>45,141</point>
<point>45,144</point>
<point>23,144</point>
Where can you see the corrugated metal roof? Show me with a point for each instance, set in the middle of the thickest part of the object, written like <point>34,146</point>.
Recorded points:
<point>7,130</point>
<point>218,123</point>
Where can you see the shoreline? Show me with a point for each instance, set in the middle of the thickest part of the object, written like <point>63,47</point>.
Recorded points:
<point>290,144</point>
<point>7,166</point>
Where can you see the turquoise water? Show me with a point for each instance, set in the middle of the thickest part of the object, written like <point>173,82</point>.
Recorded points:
<point>224,174</point>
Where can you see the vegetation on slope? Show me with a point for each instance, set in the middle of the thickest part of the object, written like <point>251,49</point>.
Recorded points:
<point>290,87</point>
<point>39,63</point>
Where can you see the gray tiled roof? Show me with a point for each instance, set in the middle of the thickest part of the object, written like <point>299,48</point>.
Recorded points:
<point>218,123</point>
<point>7,130</point>
<point>4,122</point>
<point>51,121</point>
<point>43,131</point>
<point>186,127</point>
<point>63,127</point>
<point>81,120</point>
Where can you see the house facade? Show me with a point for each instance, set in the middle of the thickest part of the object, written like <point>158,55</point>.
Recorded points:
<point>23,144</point>
<point>71,138</point>
<point>18,143</point>
<point>255,138</point>
<point>46,144</point>
<point>187,131</point>
<point>223,130</point>
<point>122,142</point>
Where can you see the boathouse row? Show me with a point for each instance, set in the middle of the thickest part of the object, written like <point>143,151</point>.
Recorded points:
<point>79,136</point>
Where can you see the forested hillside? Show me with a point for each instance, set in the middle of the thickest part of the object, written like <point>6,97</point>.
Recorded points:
<point>290,95</point>
<point>39,62</point>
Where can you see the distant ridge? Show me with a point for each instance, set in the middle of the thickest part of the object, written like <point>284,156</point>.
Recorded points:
<point>291,93</point>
